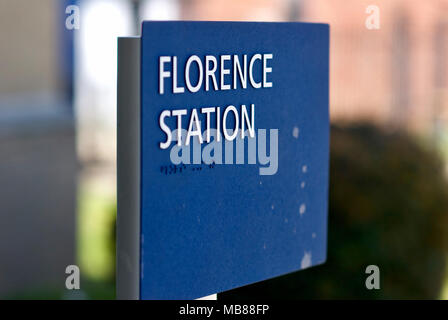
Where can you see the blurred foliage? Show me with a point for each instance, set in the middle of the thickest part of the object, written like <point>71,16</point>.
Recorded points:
<point>388,206</point>
<point>96,234</point>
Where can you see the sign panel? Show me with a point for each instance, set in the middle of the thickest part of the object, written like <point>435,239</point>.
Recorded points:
<point>234,153</point>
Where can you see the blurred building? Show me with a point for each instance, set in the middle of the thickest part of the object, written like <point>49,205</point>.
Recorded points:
<point>37,145</point>
<point>394,75</point>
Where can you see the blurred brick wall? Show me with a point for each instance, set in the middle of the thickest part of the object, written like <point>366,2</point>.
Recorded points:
<point>236,10</point>
<point>386,75</point>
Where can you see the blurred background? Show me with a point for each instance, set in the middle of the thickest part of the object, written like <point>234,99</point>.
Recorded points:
<point>389,143</point>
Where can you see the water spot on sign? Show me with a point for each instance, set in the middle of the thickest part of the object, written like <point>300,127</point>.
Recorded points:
<point>302,209</point>
<point>295,132</point>
<point>306,260</point>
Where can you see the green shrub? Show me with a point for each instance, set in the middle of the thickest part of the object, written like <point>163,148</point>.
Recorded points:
<point>388,206</point>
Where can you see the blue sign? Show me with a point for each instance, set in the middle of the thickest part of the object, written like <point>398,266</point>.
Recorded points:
<point>234,154</point>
